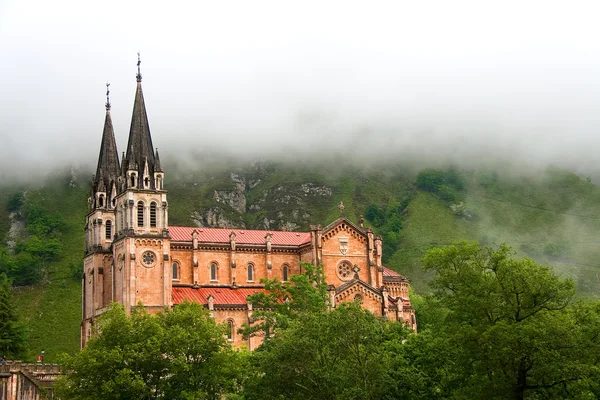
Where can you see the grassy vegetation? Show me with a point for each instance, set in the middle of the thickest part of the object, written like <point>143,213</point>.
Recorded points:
<point>429,223</point>
<point>52,310</point>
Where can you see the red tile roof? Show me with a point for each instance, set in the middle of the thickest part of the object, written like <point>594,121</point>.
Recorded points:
<point>222,295</point>
<point>389,273</point>
<point>242,236</point>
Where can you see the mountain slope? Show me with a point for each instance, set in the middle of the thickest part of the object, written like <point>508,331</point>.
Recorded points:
<point>552,217</point>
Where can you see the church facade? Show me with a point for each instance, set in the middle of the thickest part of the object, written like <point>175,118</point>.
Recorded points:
<point>133,255</point>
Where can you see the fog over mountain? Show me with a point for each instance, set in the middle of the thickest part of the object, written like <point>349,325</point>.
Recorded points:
<point>462,81</point>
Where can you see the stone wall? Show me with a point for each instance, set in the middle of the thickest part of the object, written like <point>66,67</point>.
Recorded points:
<point>19,381</point>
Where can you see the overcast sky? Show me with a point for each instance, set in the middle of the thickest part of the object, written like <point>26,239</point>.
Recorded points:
<point>468,79</point>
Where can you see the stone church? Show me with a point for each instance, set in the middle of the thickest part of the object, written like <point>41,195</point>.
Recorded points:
<point>133,255</point>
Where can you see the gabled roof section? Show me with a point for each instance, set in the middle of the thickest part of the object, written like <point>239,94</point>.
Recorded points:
<point>242,236</point>
<point>345,220</point>
<point>353,282</point>
<point>108,168</point>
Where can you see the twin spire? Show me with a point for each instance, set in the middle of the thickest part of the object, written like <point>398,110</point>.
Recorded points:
<point>140,156</point>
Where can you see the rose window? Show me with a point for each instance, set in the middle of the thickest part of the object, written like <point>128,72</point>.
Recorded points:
<point>344,271</point>
<point>148,258</point>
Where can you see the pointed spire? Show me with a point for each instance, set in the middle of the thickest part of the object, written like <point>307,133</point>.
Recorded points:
<point>131,164</point>
<point>101,183</point>
<point>157,167</point>
<point>108,168</point>
<point>139,146</point>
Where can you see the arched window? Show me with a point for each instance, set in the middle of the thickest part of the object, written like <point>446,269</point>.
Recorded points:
<point>140,213</point>
<point>358,298</point>
<point>101,201</point>
<point>285,272</point>
<point>213,272</point>
<point>250,272</point>
<point>153,215</point>
<point>108,229</point>
<point>230,332</point>
<point>146,182</point>
<point>175,271</point>
<point>132,180</point>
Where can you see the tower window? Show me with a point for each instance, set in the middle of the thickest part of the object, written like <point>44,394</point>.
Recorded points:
<point>108,229</point>
<point>152,215</point>
<point>140,213</point>
<point>146,182</point>
<point>213,272</point>
<point>101,201</point>
<point>285,273</point>
<point>250,272</point>
<point>132,180</point>
<point>230,330</point>
<point>175,271</point>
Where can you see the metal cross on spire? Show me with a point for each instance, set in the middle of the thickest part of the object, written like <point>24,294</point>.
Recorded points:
<point>107,96</point>
<point>139,74</point>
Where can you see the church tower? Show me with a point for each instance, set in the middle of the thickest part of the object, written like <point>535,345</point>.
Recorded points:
<point>100,227</point>
<point>141,248</point>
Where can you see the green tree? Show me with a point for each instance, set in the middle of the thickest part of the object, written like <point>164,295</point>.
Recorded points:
<point>337,354</point>
<point>444,184</point>
<point>178,354</point>
<point>284,301</point>
<point>12,331</point>
<point>33,254</point>
<point>513,326</point>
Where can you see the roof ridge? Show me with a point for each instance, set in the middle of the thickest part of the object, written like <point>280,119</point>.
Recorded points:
<point>344,219</point>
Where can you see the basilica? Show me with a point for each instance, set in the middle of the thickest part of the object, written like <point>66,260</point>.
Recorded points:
<point>134,256</point>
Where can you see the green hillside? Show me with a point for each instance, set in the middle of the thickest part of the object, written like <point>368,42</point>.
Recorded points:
<point>552,217</point>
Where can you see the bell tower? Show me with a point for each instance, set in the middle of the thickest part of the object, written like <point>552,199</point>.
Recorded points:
<point>141,248</point>
<point>100,228</point>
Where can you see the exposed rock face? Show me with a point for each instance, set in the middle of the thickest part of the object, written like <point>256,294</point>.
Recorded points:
<point>17,226</point>
<point>215,218</point>
<point>310,189</point>
<point>234,199</point>
<point>282,206</point>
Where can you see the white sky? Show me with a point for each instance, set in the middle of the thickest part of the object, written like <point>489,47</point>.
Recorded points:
<point>468,79</point>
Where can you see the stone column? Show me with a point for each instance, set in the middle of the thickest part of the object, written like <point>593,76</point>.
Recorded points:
<point>194,257</point>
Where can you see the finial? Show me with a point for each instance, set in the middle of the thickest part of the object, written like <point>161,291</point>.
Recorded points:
<point>107,96</point>
<point>355,269</point>
<point>139,74</point>
<point>341,207</point>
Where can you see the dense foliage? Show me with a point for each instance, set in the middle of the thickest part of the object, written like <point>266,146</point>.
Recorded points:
<point>511,329</point>
<point>27,263</point>
<point>444,183</point>
<point>495,328</point>
<point>179,354</point>
<point>12,332</point>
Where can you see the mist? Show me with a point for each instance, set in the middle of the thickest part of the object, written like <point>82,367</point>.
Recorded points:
<point>466,83</point>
